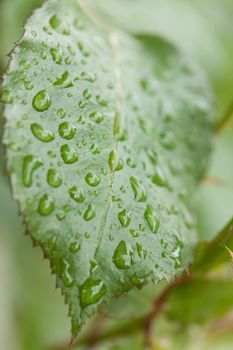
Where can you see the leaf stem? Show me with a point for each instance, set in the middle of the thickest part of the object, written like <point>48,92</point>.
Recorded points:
<point>143,324</point>
<point>225,121</point>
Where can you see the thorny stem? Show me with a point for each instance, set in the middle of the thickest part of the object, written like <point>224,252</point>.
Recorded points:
<point>128,328</point>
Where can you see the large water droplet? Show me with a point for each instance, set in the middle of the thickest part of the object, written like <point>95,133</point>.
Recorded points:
<point>152,218</point>
<point>91,291</point>
<point>41,101</point>
<point>92,179</point>
<point>115,161</point>
<point>140,194</point>
<point>69,155</point>
<point>42,134</point>
<point>67,130</point>
<point>30,164</point>
<point>54,178</point>
<point>46,205</point>
<point>122,257</point>
<point>77,194</point>
<point>124,217</point>
<point>89,213</point>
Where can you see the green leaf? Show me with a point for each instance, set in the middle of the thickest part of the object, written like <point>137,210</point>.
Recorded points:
<point>198,301</point>
<point>107,138</point>
<point>214,253</point>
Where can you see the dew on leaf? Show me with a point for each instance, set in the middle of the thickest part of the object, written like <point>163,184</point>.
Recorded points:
<point>134,233</point>
<point>95,149</point>
<point>77,194</point>
<point>101,101</point>
<point>158,178</point>
<point>57,54</point>
<point>67,130</point>
<point>59,81</point>
<point>61,113</point>
<point>30,164</point>
<point>138,188</point>
<point>58,26</point>
<point>115,161</point>
<point>142,252</point>
<point>41,101</point>
<point>122,257</point>
<point>5,97</point>
<point>124,217</point>
<point>28,85</point>
<point>74,247</point>
<point>67,279</point>
<point>54,178</point>
<point>46,205</point>
<point>97,117</point>
<point>87,94</point>
<point>152,218</point>
<point>42,134</point>
<point>89,213</point>
<point>91,77</point>
<point>92,179</point>
<point>68,154</point>
<point>91,292</point>
<point>84,51</point>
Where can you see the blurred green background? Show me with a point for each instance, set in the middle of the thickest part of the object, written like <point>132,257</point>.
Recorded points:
<point>32,313</point>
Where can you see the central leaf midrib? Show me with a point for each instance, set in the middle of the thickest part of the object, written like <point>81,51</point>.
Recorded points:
<point>112,38</point>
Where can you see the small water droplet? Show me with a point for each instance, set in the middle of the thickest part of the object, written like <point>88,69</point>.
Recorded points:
<point>134,233</point>
<point>122,257</point>
<point>91,77</point>
<point>142,252</point>
<point>41,102</point>
<point>67,130</point>
<point>158,178</point>
<point>138,188</point>
<point>77,194</point>
<point>137,281</point>
<point>95,149</point>
<point>67,279</point>
<point>115,161</point>
<point>61,113</point>
<point>68,154</point>
<point>89,213</point>
<point>60,80</point>
<point>28,85</point>
<point>152,218</point>
<point>91,291</point>
<point>30,164</point>
<point>87,94</point>
<point>83,49</point>
<point>46,205</point>
<point>57,54</point>
<point>124,217</point>
<point>6,97</point>
<point>168,140</point>
<point>42,134</point>
<point>101,101</point>
<point>58,26</point>
<point>54,178</point>
<point>97,117</point>
<point>131,163</point>
<point>74,247</point>
<point>92,179</point>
